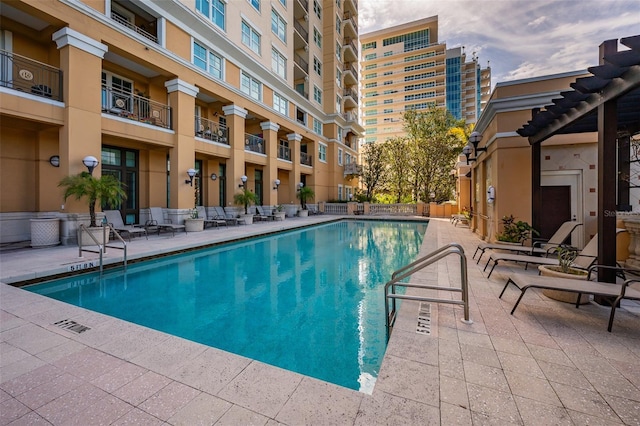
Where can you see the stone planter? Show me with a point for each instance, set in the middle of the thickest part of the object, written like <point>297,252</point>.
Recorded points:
<point>279,215</point>
<point>97,234</point>
<point>45,232</point>
<point>303,213</point>
<point>247,219</point>
<point>194,225</point>
<point>563,296</point>
<point>291,210</point>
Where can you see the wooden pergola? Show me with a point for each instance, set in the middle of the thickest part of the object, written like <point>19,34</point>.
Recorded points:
<point>607,102</point>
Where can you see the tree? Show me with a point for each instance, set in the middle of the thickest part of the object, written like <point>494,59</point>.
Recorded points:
<point>305,193</point>
<point>436,139</point>
<point>244,198</point>
<point>106,188</point>
<point>398,156</point>
<point>373,167</point>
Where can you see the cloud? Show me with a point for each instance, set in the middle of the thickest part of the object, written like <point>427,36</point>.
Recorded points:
<point>520,38</point>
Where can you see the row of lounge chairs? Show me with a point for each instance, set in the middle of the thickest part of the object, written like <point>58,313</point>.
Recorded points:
<point>544,254</point>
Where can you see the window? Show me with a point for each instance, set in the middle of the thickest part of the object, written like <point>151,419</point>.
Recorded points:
<point>207,60</point>
<point>388,53</point>
<point>388,73</point>
<point>280,104</point>
<point>317,37</point>
<point>370,121</point>
<point>371,67</point>
<point>371,112</point>
<point>387,64</point>
<point>338,77</point>
<point>338,24</point>
<point>283,2</point>
<point>339,192</point>
<point>388,101</point>
<point>338,104</point>
<point>278,63</point>
<point>322,152</point>
<point>371,103</point>
<point>301,116</point>
<point>388,82</point>
<point>339,156</point>
<point>250,37</point>
<point>317,66</point>
<point>255,4</point>
<point>370,57</point>
<point>340,134</point>
<point>214,10</point>
<point>278,26</point>
<point>370,85</point>
<point>317,126</point>
<point>370,45</point>
<point>370,75</point>
<point>338,3</point>
<point>347,158</point>
<point>116,93</point>
<point>387,111</point>
<point>370,139</point>
<point>317,9</point>
<point>338,51</point>
<point>317,94</point>
<point>251,86</point>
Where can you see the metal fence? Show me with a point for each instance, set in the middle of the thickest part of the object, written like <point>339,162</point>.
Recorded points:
<point>26,75</point>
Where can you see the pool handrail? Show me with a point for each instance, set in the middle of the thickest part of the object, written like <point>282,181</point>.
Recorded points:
<point>409,269</point>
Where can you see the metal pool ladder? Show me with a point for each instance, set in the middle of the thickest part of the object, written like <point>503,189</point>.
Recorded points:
<point>408,270</point>
<point>102,248</point>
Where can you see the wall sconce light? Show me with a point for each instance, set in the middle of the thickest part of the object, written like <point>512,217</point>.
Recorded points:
<point>475,139</point>
<point>300,185</point>
<point>54,160</point>
<point>90,163</point>
<point>243,178</point>
<point>214,176</point>
<point>191,173</point>
<point>467,152</point>
<point>276,183</point>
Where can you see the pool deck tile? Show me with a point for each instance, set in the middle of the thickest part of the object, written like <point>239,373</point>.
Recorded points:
<point>547,364</point>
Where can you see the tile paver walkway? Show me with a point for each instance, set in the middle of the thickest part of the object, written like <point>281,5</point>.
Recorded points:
<point>547,364</point>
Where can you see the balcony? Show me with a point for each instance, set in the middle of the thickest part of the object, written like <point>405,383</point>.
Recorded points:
<point>304,4</point>
<point>352,169</point>
<point>301,63</point>
<point>305,159</point>
<point>350,74</point>
<point>284,153</point>
<point>254,143</point>
<point>135,107</point>
<point>350,98</point>
<point>26,75</point>
<point>136,23</point>
<point>304,33</point>
<point>211,131</point>
<point>351,24</point>
<point>350,50</point>
<point>350,116</point>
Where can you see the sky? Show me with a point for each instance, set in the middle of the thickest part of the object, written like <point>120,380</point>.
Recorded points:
<point>516,38</point>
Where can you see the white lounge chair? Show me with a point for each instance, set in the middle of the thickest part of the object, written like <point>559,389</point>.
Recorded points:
<point>227,217</point>
<point>538,246</point>
<point>586,258</point>
<point>115,220</point>
<point>262,214</point>
<point>159,223</point>
<point>202,212</point>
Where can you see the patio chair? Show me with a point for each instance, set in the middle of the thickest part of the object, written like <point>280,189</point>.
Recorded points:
<point>627,290</point>
<point>313,209</point>
<point>115,220</point>
<point>229,218</point>
<point>539,246</point>
<point>262,214</point>
<point>584,260</point>
<point>202,212</point>
<point>158,222</point>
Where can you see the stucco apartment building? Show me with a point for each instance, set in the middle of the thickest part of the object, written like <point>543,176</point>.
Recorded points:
<point>407,67</point>
<point>255,88</point>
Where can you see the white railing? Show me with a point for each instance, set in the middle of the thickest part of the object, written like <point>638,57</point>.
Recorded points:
<point>335,208</point>
<point>393,209</point>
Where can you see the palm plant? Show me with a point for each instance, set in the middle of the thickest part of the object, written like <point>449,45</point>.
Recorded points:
<point>244,198</point>
<point>106,188</point>
<point>305,193</point>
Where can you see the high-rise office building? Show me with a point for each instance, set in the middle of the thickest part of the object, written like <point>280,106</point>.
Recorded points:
<point>405,67</point>
<point>266,90</point>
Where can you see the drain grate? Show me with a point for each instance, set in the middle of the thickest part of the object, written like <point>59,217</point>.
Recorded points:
<point>71,325</point>
<point>424,319</point>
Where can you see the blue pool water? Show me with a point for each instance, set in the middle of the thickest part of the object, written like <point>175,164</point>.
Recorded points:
<point>309,301</point>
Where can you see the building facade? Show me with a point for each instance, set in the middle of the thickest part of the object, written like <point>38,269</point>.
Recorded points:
<point>405,67</point>
<point>266,90</point>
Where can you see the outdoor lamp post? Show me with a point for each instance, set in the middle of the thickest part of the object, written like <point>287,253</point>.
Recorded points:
<point>191,173</point>
<point>276,183</point>
<point>90,163</point>
<point>243,178</point>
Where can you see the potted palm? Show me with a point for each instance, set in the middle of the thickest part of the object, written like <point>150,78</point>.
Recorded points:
<point>244,198</point>
<point>106,189</point>
<point>304,193</point>
<point>566,256</point>
<point>279,212</point>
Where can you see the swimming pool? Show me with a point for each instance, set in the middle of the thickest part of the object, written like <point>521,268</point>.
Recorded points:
<point>308,301</point>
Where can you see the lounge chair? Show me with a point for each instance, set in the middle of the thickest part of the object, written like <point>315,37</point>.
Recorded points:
<point>262,214</point>
<point>313,209</point>
<point>202,212</point>
<point>115,220</point>
<point>585,258</point>
<point>227,217</point>
<point>538,246</point>
<point>620,291</point>
<point>158,222</point>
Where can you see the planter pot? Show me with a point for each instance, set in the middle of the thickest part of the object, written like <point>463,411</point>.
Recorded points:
<point>194,225</point>
<point>279,215</point>
<point>45,232</point>
<point>564,296</point>
<point>97,234</point>
<point>303,213</point>
<point>247,219</point>
<point>291,210</point>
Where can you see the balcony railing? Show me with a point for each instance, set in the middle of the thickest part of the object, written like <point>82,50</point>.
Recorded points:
<point>253,143</point>
<point>349,116</point>
<point>352,169</point>
<point>210,130</point>
<point>351,93</point>
<point>301,30</point>
<point>304,65</point>
<point>135,107</point>
<point>348,66</point>
<point>284,153</point>
<point>26,75</point>
<point>349,17</point>
<point>120,20</point>
<point>305,159</point>
<point>305,4</point>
